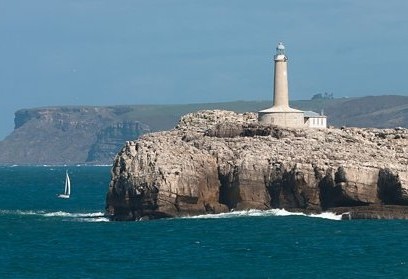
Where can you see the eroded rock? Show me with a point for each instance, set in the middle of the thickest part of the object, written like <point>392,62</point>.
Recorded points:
<point>216,161</point>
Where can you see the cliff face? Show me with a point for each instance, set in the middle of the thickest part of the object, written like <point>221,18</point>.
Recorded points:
<point>110,138</point>
<point>216,161</point>
<point>67,135</point>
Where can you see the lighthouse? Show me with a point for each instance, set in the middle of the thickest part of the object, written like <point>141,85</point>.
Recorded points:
<point>280,114</point>
<point>280,88</point>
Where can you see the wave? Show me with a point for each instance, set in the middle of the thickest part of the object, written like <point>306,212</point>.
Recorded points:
<point>94,220</point>
<point>100,216</point>
<point>88,216</point>
<point>265,213</point>
<point>74,215</point>
<point>81,217</point>
<point>20,212</point>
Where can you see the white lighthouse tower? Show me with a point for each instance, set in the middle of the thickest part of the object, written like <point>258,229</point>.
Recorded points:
<point>280,89</point>
<point>280,114</point>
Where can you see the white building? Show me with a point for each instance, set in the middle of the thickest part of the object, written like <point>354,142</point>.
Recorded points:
<point>315,120</point>
<point>280,114</point>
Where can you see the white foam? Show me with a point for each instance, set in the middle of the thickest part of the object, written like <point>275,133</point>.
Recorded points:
<point>93,220</point>
<point>73,215</point>
<point>20,212</point>
<point>57,214</point>
<point>79,217</point>
<point>94,216</point>
<point>270,212</point>
<point>328,215</point>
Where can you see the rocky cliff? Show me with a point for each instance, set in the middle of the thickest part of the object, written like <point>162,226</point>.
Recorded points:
<point>68,135</point>
<point>216,161</point>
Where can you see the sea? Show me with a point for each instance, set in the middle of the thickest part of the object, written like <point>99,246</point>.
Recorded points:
<point>43,236</point>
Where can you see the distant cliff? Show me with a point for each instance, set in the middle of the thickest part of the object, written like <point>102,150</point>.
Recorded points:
<point>68,135</point>
<point>93,135</point>
<point>216,161</point>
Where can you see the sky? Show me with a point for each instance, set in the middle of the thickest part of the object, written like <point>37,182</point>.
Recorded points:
<point>104,52</point>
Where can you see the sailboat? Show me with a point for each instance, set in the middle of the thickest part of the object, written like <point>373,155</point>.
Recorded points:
<point>67,190</point>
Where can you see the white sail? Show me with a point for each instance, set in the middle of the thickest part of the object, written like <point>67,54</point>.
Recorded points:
<point>67,189</point>
<point>67,185</point>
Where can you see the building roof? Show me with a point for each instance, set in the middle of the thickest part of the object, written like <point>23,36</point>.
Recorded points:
<point>280,109</point>
<point>310,113</point>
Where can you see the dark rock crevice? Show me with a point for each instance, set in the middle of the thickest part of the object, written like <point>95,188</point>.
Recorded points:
<point>390,189</point>
<point>333,192</point>
<point>229,189</point>
<point>231,130</point>
<point>287,189</point>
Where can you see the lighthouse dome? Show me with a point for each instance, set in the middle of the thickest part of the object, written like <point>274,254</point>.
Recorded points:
<point>280,46</point>
<point>280,53</point>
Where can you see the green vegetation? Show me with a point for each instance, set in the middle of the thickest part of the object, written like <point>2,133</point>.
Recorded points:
<point>340,111</point>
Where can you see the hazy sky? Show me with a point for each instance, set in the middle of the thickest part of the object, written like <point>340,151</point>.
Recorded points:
<point>104,52</point>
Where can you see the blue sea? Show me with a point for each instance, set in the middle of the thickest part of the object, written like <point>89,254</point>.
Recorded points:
<point>42,236</point>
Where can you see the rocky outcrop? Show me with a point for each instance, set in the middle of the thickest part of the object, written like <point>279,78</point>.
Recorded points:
<point>216,161</point>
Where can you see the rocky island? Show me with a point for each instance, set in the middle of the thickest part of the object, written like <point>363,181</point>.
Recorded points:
<point>216,161</point>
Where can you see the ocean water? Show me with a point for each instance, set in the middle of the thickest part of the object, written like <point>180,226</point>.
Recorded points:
<point>42,236</point>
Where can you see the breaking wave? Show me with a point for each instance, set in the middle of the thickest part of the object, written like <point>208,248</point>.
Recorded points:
<point>86,217</point>
<point>100,217</point>
<point>264,213</point>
